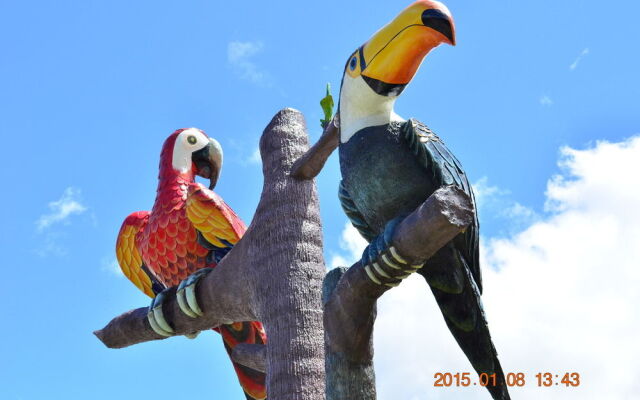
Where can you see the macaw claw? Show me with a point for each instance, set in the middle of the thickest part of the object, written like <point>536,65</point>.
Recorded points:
<point>156,317</point>
<point>186,296</point>
<point>186,293</point>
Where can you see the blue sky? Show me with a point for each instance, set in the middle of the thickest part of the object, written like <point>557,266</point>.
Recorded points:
<point>90,90</point>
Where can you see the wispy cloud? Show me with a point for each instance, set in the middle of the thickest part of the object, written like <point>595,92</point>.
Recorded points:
<point>485,192</point>
<point>352,244</point>
<point>546,101</point>
<point>60,212</point>
<point>240,56</point>
<point>50,245</point>
<point>62,209</point>
<point>494,202</point>
<point>110,265</point>
<point>255,157</point>
<point>582,55</point>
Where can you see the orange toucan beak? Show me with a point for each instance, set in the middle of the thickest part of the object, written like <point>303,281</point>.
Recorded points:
<point>390,59</point>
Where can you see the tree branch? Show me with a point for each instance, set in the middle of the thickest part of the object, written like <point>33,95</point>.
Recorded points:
<point>221,295</point>
<point>310,164</point>
<point>347,379</point>
<point>350,296</point>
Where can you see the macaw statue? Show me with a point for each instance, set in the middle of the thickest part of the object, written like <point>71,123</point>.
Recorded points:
<point>390,166</point>
<point>186,234</point>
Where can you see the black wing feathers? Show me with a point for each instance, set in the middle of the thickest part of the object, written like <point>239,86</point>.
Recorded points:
<point>445,169</point>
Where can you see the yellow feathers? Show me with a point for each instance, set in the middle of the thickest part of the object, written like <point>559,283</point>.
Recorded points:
<point>212,217</point>
<point>129,257</point>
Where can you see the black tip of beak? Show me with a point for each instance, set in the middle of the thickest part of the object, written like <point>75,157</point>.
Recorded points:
<point>439,22</point>
<point>205,168</point>
<point>212,182</point>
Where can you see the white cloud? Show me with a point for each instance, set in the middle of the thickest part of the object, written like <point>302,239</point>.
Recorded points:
<point>255,157</point>
<point>561,295</point>
<point>486,193</point>
<point>578,59</point>
<point>518,212</point>
<point>352,243</point>
<point>60,210</point>
<point>495,203</point>
<point>49,245</point>
<point>240,55</point>
<point>546,101</point>
<point>111,266</point>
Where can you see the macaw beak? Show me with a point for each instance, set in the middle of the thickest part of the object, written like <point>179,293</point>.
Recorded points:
<point>208,162</point>
<point>392,56</point>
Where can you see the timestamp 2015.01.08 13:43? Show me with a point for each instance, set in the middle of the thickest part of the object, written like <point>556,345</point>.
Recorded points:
<point>518,379</point>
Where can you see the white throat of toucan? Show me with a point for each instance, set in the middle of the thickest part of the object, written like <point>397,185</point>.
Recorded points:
<point>361,107</point>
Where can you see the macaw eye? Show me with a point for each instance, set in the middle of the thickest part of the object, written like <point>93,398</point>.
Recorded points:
<point>192,139</point>
<point>353,63</point>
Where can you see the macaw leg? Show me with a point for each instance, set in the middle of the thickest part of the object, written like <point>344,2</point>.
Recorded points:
<point>381,261</point>
<point>186,296</point>
<point>156,318</point>
<point>186,293</point>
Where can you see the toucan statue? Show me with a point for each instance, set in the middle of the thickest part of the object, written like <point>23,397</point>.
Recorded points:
<point>390,166</point>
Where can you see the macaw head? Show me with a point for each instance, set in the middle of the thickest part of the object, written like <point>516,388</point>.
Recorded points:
<point>378,71</point>
<point>191,152</point>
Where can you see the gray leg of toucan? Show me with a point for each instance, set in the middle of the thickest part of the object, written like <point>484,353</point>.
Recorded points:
<point>382,263</point>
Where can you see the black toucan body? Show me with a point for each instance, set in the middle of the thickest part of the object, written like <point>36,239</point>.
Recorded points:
<point>390,166</point>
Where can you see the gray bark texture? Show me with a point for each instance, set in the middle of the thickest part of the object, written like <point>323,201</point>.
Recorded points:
<point>289,265</point>
<point>273,275</point>
<point>346,378</point>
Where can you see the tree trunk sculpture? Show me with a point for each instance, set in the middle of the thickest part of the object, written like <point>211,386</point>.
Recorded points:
<point>275,273</point>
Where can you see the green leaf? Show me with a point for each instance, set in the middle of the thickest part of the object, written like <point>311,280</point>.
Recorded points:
<point>327,107</point>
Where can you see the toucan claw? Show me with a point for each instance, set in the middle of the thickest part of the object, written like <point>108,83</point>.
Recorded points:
<point>381,261</point>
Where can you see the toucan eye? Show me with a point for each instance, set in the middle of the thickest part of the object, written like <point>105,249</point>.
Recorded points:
<point>192,139</point>
<point>353,63</point>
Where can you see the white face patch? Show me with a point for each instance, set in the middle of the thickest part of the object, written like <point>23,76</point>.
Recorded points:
<point>361,107</point>
<point>187,142</point>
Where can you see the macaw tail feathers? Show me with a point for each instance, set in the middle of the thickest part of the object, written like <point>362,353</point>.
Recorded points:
<point>253,382</point>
